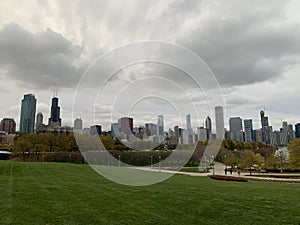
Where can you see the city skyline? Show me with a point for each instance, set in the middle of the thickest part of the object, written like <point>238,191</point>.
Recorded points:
<point>234,123</point>
<point>253,53</point>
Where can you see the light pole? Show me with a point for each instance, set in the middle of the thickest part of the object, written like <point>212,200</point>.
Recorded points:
<point>119,160</point>
<point>151,160</point>
<point>225,161</point>
<point>213,164</point>
<point>159,157</point>
<point>205,162</point>
<point>280,155</point>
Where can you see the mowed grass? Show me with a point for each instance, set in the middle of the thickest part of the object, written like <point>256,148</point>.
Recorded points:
<point>54,193</point>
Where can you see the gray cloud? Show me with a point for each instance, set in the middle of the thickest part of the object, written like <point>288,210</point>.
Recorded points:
<point>43,59</point>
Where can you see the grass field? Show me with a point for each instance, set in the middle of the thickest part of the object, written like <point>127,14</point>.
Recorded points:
<point>54,193</point>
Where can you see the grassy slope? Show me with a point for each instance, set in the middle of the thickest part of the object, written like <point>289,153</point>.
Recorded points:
<point>53,193</point>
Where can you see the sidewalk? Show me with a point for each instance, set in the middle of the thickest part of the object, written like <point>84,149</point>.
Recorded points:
<point>219,169</point>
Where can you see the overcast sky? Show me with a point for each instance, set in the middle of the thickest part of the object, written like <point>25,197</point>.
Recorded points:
<point>251,47</point>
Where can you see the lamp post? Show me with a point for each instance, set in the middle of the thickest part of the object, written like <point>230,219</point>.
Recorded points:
<point>159,157</point>
<point>225,162</point>
<point>119,160</point>
<point>280,155</point>
<point>205,162</point>
<point>213,163</point>
<point>151,160</point>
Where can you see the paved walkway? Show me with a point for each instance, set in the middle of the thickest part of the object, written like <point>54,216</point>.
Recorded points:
<point>219,169</point>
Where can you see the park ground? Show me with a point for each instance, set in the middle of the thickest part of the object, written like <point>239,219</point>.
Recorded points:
<point>61,193</point>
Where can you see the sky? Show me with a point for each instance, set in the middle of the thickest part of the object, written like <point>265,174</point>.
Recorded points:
<point>109,59</point>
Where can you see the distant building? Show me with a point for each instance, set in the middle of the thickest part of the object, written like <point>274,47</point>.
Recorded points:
<point>258,135</point>
<point>126,126</point>
<point>284,134</point>
<point>202,134</point>
<point>235,124</point>
<point>220,128</point>
<point>27,117</point>
<point>275,138</point>
<point>152,128</point>
<point>266,129</point>
<point>188,122</point>
<point>8,125</point>
<point>248,127</point>
<point>39,122</point>
<point>95,130</point>
<point>297,130</point>
<point>291,133</point>
<point>236,129</point>
<point>160,125</point>
<point>208,127</point>
<point>115,129</point>
<point>55,112</point>
<point>78,124</point>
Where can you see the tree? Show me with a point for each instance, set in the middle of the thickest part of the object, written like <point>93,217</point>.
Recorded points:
<point>294,150</point>
<point>250,159</point>
<point>272,161</point>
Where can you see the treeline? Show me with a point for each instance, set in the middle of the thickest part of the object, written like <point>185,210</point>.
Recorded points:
<point>65,148</point>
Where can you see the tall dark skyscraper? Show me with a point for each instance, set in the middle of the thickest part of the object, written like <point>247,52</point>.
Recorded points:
<point>297,130</point>
<point>208,127</point>
<point>264,119</point>
<point>235,124</point>
<point>266,129</point>
<point>55,112</point>
<point>27,118</point>
<point>248,126</point>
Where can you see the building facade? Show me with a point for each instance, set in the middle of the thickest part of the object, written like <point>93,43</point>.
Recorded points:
<point>8,125</point>
<point>55,113</point>
<point>248,128</point>
<point>78,124</point>
<point>219,116</point>
<point>27,117</point>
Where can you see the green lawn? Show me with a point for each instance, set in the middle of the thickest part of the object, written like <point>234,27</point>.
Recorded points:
<point>54,193</point>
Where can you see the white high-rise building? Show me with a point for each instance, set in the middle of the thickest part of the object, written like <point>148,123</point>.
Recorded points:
<point>188,122</point>
<point>219,115</point>
<point>160,125</point>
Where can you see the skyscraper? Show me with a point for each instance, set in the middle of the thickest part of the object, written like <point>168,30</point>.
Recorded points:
<point>208,127</point>
<point>297,130</point>
<point>27,117</point>
<point>248,127</point>
<point>266,129</point>
<point>291,132</point>
<point>235,124</point>
<point>189,128</point>
<point>39,122</point>
<point>263,119</point>
<point>188,122</point>
<point>8,125</point>
<point>219,115</point>
<point>126,126</point>
<point>95,130</point>
<point>152,128</point>
<point>160,125</point>
<point>55,113</point>
<point>78,124</point>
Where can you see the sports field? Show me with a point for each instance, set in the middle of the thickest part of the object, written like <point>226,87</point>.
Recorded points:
<point>55,193</point>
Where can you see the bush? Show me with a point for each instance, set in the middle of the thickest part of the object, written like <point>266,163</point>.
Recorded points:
<point>69,157</point>
<point>228,178</point>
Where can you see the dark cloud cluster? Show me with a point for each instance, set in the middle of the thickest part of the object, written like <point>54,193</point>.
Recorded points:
<point>43,59</point>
